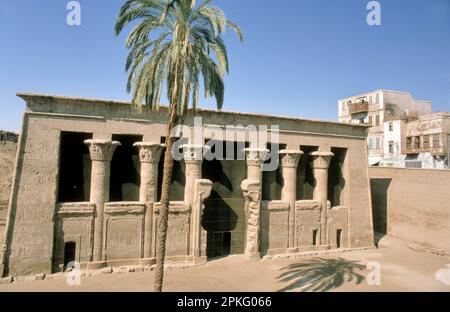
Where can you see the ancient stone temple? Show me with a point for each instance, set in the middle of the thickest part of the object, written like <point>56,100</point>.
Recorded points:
<point>87,188</point>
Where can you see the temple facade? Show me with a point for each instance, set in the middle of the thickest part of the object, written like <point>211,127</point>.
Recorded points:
<point>88,176</point>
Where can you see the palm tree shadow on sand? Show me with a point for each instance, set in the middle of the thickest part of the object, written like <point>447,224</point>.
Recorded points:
<point>320,274</point>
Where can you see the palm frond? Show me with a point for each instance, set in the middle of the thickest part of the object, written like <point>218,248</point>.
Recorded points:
<point>175,44</point>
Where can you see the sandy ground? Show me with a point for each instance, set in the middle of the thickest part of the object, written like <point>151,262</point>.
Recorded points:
<point>402,269</point>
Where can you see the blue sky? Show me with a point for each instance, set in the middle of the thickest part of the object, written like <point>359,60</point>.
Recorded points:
<point>298,58</point>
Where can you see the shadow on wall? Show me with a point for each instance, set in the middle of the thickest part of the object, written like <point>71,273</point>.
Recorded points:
<point>321,274</point>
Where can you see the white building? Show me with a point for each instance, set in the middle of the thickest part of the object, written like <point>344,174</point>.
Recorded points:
<point>395,119</point>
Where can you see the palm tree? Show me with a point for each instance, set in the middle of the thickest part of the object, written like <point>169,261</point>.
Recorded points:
<point>174,44</point>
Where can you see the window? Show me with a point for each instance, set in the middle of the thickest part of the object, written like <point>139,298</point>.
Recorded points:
<point>436,140</point>
<point>391,147</point>
<point>413,164</point>
<point>377,120</point>
<point>370,120</point>
<point>391,126</point>
<point>417,142</point>
<point>370,99</point>
<point>374,143</point>
<point>426,141</point>
<point>377,99</point>
<point>408,142</point>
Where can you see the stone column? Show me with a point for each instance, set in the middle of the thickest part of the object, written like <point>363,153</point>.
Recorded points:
<point>289,163</point>
<point>202,190</point>
<point>149,155</point>
<point>255,158</point>
<point>320,164</point>
<point>252,195</point>
<point>193,158</point>
<point>101,152</point>
<point>251,188</point>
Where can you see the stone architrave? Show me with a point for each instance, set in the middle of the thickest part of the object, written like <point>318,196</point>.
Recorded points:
<point>320,163</point>
<point>149,155</point>
<point>101,152</point>
<point>289,164</point>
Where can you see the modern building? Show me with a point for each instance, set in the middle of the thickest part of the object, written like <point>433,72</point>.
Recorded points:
<point>87,188</point>
<point>8,136</point>
<point>427,143</point>
<point>395,119</point>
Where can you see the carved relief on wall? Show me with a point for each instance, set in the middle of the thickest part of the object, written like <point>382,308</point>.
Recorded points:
<point>174,208</point>
<point>338,226</point>
<point>124,208</point>
<point>202,191</point>
<point>252,195</point>
<point>75,208</point>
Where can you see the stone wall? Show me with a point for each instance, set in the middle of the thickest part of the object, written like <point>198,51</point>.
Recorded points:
<point>101,231</point>
<point>413,204</point>
<point>7,158</point>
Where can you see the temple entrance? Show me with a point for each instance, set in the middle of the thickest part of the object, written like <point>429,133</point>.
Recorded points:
<point>219,244</point>
<point>69,253</point>
<point>224,215</point>
<point>379,190</point>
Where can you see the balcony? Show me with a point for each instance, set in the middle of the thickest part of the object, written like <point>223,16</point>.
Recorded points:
<point>358,108</point>
<point>433,144</point>
<point>436,151</point>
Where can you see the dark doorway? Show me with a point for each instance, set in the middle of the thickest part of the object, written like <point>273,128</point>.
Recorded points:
<point>74,167</point>
<point>125,169</point>
<point>338,238</point>
<point>273,180</point>
<point>336,180</point>
<point>379,190</point>
<point>69,252</point>
<point>220,244</point>
<point>305,174</point>
<point>225,208</point>
<point>314,240</point>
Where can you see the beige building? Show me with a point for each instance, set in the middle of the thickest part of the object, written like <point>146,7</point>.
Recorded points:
<point>87,189</point>
<point>427,141</point>
<point>379,109</point>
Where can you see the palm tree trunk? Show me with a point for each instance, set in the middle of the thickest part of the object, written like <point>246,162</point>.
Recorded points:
<point>165,201</point>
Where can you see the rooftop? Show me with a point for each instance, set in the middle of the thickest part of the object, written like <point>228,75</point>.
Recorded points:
<point>383,90</point>
<point>89,101</point>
